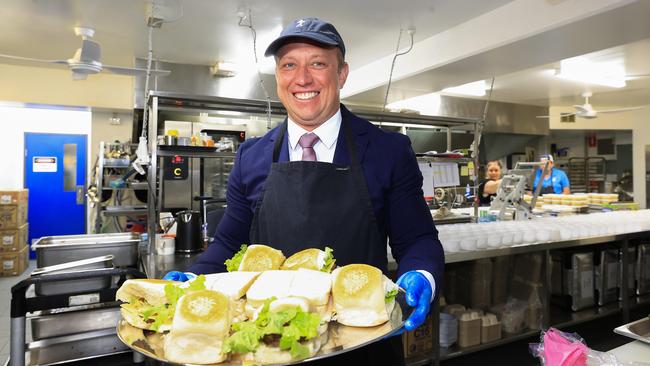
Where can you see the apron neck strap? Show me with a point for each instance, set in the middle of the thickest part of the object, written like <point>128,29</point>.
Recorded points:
<point>349,140</point>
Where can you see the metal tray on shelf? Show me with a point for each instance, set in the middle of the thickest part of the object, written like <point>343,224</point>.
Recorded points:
<point>639,330</point>
<point>67,286</point>
<point>51,250</point>
<point>341,338</point>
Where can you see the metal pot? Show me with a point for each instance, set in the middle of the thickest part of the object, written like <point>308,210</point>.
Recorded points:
<point>188,232</point>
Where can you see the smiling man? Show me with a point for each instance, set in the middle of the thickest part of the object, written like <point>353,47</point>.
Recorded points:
<point>326,177</point>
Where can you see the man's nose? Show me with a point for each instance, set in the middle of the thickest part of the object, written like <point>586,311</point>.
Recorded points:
<point>303,76</point>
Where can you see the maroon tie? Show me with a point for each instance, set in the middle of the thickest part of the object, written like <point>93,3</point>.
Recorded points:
<point>307,142</point>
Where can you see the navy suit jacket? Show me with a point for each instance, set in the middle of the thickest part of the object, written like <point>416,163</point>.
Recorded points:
<point>394,182</point>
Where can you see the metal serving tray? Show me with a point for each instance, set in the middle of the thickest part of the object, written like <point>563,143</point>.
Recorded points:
<point>74,286</point>
<point>639,330</point>
<point>74,322</point>
<point>51,250</point>
<point>340,338</point>
<point>75,347</point>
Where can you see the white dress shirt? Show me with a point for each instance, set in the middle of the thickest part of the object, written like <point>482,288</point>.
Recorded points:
<point>328,134</point>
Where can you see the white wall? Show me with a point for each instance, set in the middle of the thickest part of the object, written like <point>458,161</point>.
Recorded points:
<point>17,119</point>
<point>638,121</point>
<point>103,130</point>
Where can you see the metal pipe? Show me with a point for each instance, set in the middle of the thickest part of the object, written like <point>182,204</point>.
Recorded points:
<point>17,345</point>
<point>448,138</point>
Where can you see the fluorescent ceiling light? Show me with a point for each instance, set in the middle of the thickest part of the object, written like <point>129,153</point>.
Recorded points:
<point>581,69</point>
<point>427,104</point>
<point>475,89</point>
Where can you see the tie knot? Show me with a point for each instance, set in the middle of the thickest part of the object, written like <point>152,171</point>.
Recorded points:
<point>308,140</point>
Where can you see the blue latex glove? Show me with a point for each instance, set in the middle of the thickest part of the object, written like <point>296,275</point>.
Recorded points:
<point>179,276</point>
<point>418,295</point>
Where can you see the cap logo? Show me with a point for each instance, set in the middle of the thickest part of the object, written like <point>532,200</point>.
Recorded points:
<point>300,23</point>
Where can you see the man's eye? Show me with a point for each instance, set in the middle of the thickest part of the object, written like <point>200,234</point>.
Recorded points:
<point>318,64</point>
<point>288,66</point>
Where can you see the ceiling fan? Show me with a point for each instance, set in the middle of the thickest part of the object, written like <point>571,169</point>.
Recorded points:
<point>86,60</point>
<point>587,111</point>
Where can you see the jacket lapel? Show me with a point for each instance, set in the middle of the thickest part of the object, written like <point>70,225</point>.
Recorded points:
<point>359,131</point>
<point>284,150</point>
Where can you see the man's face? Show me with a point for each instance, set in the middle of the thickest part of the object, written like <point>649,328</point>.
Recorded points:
<point>309,80</point>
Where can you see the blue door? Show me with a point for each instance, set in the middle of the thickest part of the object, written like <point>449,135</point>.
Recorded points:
<point>55,174</point>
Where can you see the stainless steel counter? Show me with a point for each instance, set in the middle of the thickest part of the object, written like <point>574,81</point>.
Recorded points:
<point>635,351</point>
<point>156,266</point>
<point>517,249</point>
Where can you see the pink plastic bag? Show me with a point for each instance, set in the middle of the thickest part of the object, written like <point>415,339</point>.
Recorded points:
<point>560,349</point>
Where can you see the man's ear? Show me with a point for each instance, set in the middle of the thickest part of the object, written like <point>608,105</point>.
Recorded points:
<point>343,74</point>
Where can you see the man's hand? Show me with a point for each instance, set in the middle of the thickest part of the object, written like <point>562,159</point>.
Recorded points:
<point>179,276</point>
<point>418,295</point>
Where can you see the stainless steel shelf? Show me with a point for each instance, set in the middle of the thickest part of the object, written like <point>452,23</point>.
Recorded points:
<point>419,360</point>
<point>526,248</point>
<point>117,166</point>
<point>125,210</point>
<point>439,159</point>
<point>561,318</point>
<point>194,154</point>
<point>456,351</point>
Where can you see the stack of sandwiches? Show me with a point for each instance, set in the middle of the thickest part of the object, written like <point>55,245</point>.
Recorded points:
<point>266,309</point>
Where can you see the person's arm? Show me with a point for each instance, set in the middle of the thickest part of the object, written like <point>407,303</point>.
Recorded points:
<point>233,229</point>
<point>413,237</point>
<point>564,182</point>
<point>492,186</point>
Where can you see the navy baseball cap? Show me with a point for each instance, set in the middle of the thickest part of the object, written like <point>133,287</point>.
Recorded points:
<point>312,29</point>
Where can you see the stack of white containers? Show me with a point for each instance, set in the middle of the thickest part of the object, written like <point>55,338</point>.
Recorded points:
<point>470,237</point>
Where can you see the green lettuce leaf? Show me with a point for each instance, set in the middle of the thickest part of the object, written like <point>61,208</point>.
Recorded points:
<point>329,260</point>
<point>163,314</point>
<point>233,263</point>
<point>390,295</point>
<point>291,324</point>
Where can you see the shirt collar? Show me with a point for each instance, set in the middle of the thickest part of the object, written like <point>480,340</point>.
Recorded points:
<point>327,133</point>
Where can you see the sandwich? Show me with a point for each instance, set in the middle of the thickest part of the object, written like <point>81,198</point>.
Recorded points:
<point>312,258</point>
<point>314,287</point>
<point>255,258</point>
<point>234,285</point>
<point>362,295</point>
<point>283,331</point>
<point>150,303</point>
<point>269,284</point>
<point>200,326</point>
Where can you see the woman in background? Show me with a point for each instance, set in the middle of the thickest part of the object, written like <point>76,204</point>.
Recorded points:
<point>488,188</point>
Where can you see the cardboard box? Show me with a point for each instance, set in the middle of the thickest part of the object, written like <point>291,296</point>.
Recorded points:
<point>420,340</point>
<point>13,216</point>
<point>490,328</point>
<point>13,196</point>
<point>14,263</point>
<point>469,329</point>
<point>13,240</point>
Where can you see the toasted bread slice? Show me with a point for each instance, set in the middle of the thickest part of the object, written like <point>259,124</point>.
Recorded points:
<point>259,258</point>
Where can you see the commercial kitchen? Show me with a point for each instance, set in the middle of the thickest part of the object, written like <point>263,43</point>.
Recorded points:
<point>123,120</point>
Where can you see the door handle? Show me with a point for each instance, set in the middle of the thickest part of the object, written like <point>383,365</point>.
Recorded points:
<point>80,195</point>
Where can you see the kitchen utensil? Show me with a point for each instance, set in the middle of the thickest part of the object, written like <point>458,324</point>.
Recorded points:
<point>188,232</point>
<point>68,286</point>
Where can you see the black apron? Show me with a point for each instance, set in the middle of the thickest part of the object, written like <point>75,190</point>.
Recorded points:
<point>306,204</point>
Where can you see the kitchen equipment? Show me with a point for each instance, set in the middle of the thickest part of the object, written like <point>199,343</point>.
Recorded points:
<point>606,274</point>
<point>51,250</point>
<point>639,330</point>
<point>188,232</point>
<point>643,269</point>
<point>56,323</point>
<point>57,344</point>
<point>62,287</point>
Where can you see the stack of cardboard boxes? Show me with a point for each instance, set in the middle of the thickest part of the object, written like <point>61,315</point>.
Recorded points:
<point>14,251</point>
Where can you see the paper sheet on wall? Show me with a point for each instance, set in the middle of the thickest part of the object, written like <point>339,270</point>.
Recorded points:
<point>445,175</point>
<point>427,181</point>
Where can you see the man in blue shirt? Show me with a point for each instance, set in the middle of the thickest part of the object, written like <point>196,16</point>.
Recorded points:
<point>555,180</point>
